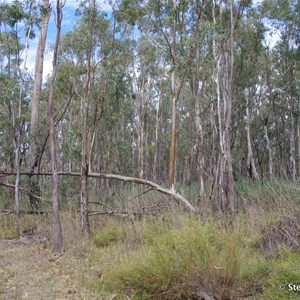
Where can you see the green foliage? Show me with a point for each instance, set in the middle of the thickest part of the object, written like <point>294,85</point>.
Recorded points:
<point>7,228</point>
<point>111,233</point>
<point>285,271</point>
<point>173,262</point>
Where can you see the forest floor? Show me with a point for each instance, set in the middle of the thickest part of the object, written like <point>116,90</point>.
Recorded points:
<point>34,272</point>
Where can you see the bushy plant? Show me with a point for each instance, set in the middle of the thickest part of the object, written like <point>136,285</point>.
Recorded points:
<point>188,259</point>
<point>284,282</point>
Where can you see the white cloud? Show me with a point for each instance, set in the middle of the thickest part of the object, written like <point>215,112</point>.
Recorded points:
<point>103,4</point>
<point>30,55</point>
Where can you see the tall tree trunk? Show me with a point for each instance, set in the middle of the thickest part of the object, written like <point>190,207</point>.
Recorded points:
<point>228,170</point>
<point>35,103</point>
<point>173,135</point>
<point>199,130</point>
<point>58,240</point>
<point>157,137</point>
<point>217,191</point>
<point>225,66</point>
<point>173,105</point>
<point>85,227</point>
<point>17,140</point>
<point>265,119</point>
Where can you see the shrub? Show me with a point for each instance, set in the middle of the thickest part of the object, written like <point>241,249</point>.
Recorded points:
<point>285,271</point>
<point>187,260</point>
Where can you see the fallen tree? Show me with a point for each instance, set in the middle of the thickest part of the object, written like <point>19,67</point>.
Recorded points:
<point>156,187</point>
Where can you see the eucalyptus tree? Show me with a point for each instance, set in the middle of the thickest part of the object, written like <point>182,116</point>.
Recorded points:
<point>17,20</point>
<point>160,22</point>
<point>249,85</point>
<point>58,241</point>
<point>284,16</point>
<point>34,150</point>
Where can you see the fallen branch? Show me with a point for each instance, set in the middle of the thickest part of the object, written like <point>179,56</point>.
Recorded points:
<point>23,212</point>
<point>171,192</point>
<point>12,186</point>
<point>152,184</point>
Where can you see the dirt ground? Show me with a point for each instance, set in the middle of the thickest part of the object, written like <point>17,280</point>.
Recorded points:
<point>34,272</point>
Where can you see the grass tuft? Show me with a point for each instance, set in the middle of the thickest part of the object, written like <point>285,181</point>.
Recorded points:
<point>187,260</point>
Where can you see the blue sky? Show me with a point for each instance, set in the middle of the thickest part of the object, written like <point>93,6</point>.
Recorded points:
<point>68,23</point>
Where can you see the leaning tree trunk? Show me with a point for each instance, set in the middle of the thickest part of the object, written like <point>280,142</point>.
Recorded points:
<point>35,103</point>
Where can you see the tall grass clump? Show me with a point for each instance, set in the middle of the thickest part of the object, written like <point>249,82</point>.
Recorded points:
<point>188,260</point>
<point>8,229</point>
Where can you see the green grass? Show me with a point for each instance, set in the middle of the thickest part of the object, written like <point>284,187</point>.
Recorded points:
<point>174,255</point>
<point>285,271</point>
<point>174,262</point>
<point>109,234</point>
<point>8,229</point>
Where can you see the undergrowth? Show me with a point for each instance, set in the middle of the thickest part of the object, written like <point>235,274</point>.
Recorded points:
<point>174,255</point>
<point>182,260</point>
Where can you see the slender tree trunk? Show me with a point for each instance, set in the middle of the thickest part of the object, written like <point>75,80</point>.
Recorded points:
<point>141,143</point>
<point>17,138</point>
<point>292,149</point>
<point>85,227</point>
<point>200,137</point>
<point>157,136</point>
<point>58,240</point>
<point>270,151</point>
<point>173,136</point>
<point>250,160</point>
<point>218,195</point>
<point>265,119</point>
<point>298,146</point>
<point>228,172</point>
<point>225,65</point>
<point>173,105</point>
<point>35,103</point>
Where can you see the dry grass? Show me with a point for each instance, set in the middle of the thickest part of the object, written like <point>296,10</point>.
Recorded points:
<point>159,256</point>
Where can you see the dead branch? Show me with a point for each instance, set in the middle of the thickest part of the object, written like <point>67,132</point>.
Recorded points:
<point>23,212</point>
<point>12,186</point>
<point>171,192</point>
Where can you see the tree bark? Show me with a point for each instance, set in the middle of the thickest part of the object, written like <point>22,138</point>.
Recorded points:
<point>35,103</point>
<point>58,240</point>
<point>85,227</point>
<point>173,104</point>
<point>292,166</point>
<point>250,160</point>
<point>228,171</point>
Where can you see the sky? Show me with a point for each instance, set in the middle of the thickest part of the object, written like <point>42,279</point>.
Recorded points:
<point>68,23</point>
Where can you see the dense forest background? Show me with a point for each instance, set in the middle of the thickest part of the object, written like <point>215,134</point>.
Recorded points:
<point>200,94</point>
